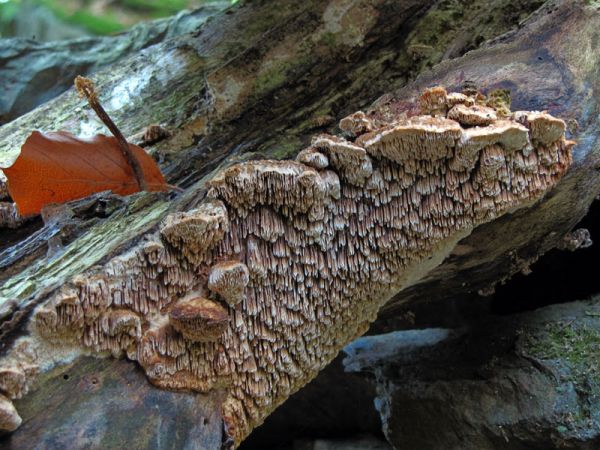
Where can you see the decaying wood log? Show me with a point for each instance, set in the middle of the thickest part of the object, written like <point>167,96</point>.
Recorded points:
<point>34,72</point>
<point>323,241</point>
<point>546,65</point>
<point>313,254</point>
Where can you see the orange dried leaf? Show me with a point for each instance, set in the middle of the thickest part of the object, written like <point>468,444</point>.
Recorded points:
<point>58,167</point>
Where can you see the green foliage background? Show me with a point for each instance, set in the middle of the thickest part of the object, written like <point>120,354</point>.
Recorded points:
<point>99,17</point>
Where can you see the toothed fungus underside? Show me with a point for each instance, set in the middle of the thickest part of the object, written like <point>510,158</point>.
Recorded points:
<point>258,288</point>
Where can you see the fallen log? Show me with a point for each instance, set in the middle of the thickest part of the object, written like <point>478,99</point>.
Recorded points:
<point>50,288</point>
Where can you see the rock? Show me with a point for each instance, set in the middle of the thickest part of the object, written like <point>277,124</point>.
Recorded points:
<point>528,381</point>
<point>358,443</point>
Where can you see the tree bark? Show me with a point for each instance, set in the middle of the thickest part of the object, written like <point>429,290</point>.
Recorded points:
<point>34,72</point>
<point>295,68</point>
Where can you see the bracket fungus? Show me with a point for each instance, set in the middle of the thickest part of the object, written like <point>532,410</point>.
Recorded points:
<point>194,232</point>
<point>417,138</point>
<point>229,279</point>
<point>9,418</point>
<point>472,115</point>
<point>458,98</point>
<point>356,124</point>
<point>13,382</point>
<point>434,101</point>
<point>313,158</point>
<point>303,252</point>
<point>351,161</point>
<point>199,319</point>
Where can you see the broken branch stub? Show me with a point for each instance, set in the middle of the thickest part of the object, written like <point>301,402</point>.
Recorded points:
<point>302,253</point>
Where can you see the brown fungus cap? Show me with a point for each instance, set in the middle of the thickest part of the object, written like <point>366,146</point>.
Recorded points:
<point>350,160</point>
<point>199,319</point>
<point>457,98</point>
<point>279,184</point>
<point>12,381</point>
<point>313,158</point>
<point>9,418</point>
<point>356,124</point>
<point>229,279</point>
<point>543,127</point>
<point>420,137</point>
<point>472,115</point>
<point>196,231</point>
<point>434,101</point>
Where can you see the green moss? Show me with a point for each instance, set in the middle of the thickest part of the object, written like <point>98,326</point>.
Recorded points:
<point>500,100</point>
<point>574,349</point>
<point>329,39</point>
<point>270,79</point>
<point>285,149</point>
<point>87,250</point>
<point>577,345</point>
<point>471,23</point>
<point>276,74</point>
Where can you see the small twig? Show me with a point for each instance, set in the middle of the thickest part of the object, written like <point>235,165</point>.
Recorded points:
<point>85,87</point>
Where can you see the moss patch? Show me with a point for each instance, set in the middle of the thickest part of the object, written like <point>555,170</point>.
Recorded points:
<point>450,20</point>
<point>572,349</point>
<point>500,100</point>
<point>579,345</point>
<point>270,79</point>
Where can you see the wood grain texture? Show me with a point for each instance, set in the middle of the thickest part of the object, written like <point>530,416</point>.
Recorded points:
<point>107,403</point>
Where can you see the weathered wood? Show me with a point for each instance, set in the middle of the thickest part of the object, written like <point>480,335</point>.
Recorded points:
<point>106,403</point>
<point>32,72</point>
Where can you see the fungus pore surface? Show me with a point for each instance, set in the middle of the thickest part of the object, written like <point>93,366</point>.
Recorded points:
<point>258,288</point>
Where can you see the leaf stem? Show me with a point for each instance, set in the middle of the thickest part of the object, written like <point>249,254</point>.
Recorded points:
<point>85,88</point>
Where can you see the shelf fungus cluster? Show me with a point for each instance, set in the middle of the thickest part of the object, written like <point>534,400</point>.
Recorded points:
<point>258,288</point>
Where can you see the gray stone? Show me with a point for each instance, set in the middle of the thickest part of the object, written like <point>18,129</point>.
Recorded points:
<point>358,443</point>
<point>528,381</point>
